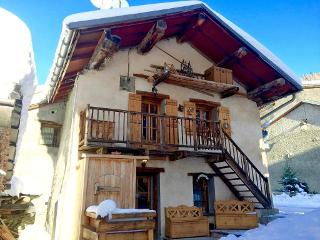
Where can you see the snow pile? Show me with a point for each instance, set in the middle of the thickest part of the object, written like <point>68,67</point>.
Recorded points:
<point>34,232</point>
<point>293,227</point>
<point>105,208</point>
<point>108,207</point>
<point>300,200</point>
<point>16,60</point>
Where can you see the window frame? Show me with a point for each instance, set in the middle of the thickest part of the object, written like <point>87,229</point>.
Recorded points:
<point>210,191</point>
<point>56,133</point>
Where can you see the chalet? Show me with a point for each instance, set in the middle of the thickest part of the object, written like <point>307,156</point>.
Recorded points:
<point>160,108</point>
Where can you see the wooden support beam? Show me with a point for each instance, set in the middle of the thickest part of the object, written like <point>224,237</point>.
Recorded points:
<point>153,36</point>
<point>191,29</point>
<point>262,91</point>
<point>238,54</point>
<point>229,92</point>
<point>107,46</point>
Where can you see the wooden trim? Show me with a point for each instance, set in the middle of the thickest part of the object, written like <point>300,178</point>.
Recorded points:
<point>152,95</point>
<point>90,155</point>
<point>199,173</point>
<point>204,102</point>
<point>286,112</point>
<point>149,170</point>
<point>50,124</point>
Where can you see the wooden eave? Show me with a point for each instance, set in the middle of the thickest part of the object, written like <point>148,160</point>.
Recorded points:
<point>212,39</point>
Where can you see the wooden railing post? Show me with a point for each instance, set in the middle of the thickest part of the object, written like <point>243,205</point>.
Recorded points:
<point>162,127</point>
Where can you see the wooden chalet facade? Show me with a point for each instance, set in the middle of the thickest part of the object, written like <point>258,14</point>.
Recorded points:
<point>161,111</point>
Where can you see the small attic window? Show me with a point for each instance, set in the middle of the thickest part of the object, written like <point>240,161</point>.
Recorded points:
<point>50,134</point>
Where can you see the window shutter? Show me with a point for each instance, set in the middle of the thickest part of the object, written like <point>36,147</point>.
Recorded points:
<point>134,105</point>
<point>171,110</point>
<point>224,118</point>
<point>189,112</point>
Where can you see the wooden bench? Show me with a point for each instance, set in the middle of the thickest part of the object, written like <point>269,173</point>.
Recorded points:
<point>235,215</point>
<point>184,221</point>
<point>122,226</point>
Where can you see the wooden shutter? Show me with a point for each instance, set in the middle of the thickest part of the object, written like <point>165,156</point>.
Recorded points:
<point>189,112</point>
<point>171,134</point>
<point>224,118</point>
<point>134,105</point>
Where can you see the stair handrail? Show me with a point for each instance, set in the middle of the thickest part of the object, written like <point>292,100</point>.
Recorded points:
<point>247,160</point>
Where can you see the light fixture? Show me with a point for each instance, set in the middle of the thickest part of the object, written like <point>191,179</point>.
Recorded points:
<point>144,162</point>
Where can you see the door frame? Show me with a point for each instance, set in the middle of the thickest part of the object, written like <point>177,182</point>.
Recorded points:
<point>155,173</point>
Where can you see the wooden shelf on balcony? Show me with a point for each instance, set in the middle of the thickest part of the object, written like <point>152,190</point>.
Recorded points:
<point>200,85</point>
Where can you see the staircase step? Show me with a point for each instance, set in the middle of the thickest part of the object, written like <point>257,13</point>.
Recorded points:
<point>244,191</point>
<point>224,167</point>
<point>236,185</point>
<point>228,173</point>
<point>232,179</point>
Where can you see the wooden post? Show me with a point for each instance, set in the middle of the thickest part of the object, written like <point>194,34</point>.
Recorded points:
<point>191,29</point>
<point>154,35</point>
<point>107,46</point>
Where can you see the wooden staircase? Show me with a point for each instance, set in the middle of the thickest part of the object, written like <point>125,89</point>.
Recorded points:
<point>241,176</point>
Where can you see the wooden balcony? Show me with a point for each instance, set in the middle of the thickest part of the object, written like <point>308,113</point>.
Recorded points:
<point>126,130</point>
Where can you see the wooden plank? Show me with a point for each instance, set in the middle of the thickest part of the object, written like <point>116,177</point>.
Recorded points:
<point>125,225</point>
<point>5,233</point>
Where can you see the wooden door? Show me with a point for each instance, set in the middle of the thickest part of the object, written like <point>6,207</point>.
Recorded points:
<point>111,178</point>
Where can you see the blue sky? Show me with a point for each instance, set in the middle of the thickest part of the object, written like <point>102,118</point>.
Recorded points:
<point>289,28</point>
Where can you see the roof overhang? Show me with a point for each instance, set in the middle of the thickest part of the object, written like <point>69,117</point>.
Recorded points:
<point>217,39</point>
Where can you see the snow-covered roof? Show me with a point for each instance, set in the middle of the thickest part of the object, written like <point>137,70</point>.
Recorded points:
<point>112,17</point>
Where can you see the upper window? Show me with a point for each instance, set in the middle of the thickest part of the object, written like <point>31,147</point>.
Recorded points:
<point>50,134</point>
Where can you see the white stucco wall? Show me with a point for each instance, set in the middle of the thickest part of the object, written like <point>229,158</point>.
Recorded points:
<point>102,89</point>
<point>176,187</point>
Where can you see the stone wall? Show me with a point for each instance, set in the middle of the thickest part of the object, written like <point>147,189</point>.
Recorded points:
<point>4,155</point>
<point>294,141</point>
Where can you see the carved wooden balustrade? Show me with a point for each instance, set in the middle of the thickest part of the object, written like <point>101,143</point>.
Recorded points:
<point>106,126</point>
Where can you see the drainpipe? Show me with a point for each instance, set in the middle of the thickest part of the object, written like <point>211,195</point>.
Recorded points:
<point>279,107</point>
<point>62,58</point>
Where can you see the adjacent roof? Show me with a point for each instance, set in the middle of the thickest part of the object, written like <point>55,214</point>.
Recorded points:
<point>217,39</point>
<point>293,107</point>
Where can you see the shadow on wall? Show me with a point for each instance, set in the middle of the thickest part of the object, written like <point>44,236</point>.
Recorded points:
<point>306,165</point>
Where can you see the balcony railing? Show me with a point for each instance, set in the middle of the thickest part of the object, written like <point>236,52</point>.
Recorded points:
<point>114,127</point>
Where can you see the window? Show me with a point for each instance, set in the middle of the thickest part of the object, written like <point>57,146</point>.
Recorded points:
<point>150,120</point>
<point>50,134</point>
<point>203,192</point>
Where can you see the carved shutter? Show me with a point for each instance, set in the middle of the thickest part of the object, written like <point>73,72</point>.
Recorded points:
<point>224,118</point>
<point>134,119</point>
<point>189,112</point>
<point>171,109</point>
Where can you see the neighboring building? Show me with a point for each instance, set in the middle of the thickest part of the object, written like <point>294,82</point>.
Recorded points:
<point>167,136</point>
<point>293,134</point>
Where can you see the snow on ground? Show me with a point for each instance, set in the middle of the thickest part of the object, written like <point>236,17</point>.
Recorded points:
<point>34,232</point>
<point>300,220</point>
<point>299,204</point>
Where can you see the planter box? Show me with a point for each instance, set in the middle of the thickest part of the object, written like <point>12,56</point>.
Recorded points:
<point>218,74</point>
<point>128,226</point>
